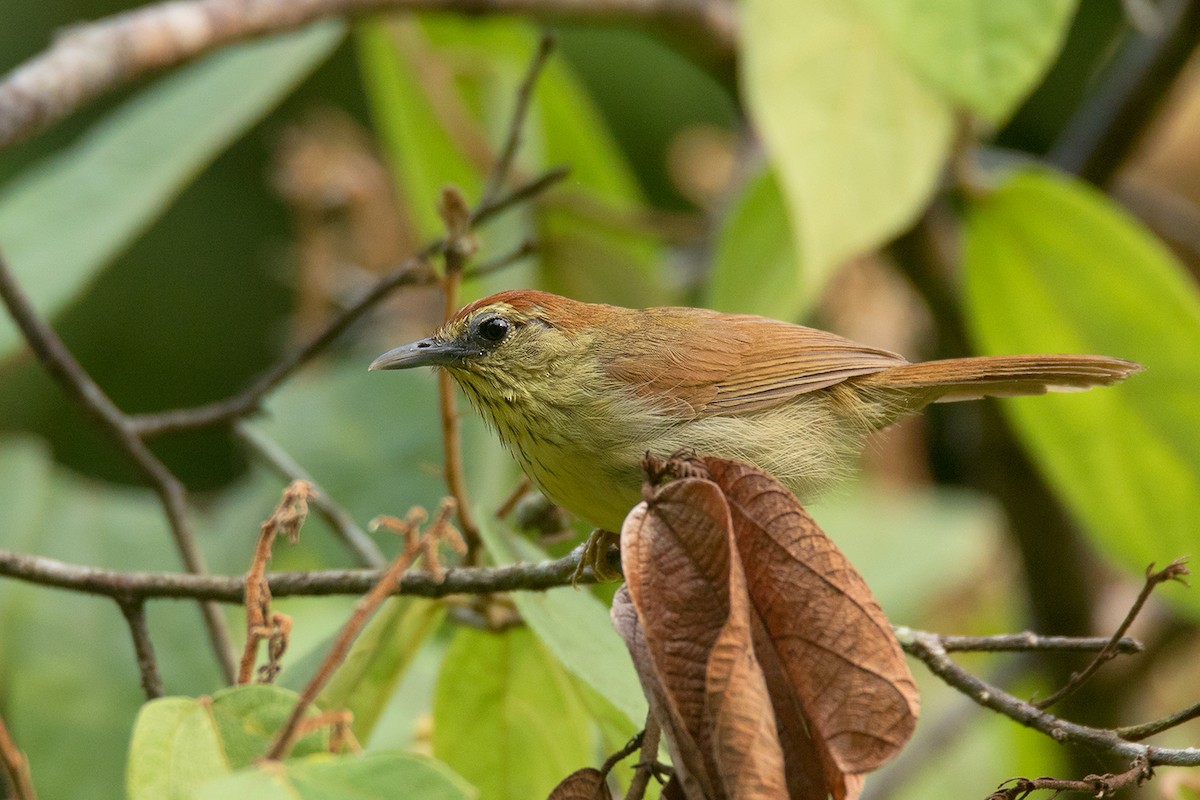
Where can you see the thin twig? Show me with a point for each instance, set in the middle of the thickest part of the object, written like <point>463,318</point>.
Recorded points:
<point>91,60</point>
<point>1136,733</point>
<point>16,766</point>
<point>363,610</point>
<point>134,612</point>
<point>62,366</point>
<point>1096,785</point>
<point>512,140</point>
<point>356,539</point>
<point>287,518</point>
<point>460,244</point>
<point>1175,571</point>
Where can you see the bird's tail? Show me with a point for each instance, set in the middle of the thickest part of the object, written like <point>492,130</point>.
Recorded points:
<point>997,376</point>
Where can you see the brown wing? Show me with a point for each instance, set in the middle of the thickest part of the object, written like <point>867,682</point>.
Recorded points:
<point>733,363</point>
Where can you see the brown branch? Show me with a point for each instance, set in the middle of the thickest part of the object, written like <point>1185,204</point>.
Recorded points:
<point>231,588</point>
<point>1175,571</point>
<point>1095,785</point>
<point>649,763</point>
<point>928,649</point>
<point>460,245</point>
<point>134,612</point>
<point>355,538</point>
<point>91,60</point>
<point>62,366</point>
<point>16,766</point>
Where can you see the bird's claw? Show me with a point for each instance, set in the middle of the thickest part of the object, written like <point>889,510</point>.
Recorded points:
<point>596,556</point>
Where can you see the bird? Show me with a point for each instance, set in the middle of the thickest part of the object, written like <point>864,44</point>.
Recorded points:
<point>580,392</point>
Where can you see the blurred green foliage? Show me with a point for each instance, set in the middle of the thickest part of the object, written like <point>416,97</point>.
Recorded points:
<point>148,230</point>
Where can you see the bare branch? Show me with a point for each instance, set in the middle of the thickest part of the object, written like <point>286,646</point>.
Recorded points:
<point>929,650</point>
<point>1096,785</point>
<point>62,366</point>
<point>1030,642</point>
<point>90,60</point>
<point>134,612</point>
<point>230,588</point>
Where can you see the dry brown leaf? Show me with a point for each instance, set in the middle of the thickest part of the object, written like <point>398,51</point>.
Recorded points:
<point>745,743</point>
<point>844,669</point>
<point>694,633</point>
<point>582,784</point>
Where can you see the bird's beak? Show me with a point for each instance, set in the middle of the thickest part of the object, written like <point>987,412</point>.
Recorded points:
<point>425,353</point>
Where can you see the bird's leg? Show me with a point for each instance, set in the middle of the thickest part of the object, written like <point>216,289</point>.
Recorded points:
<point>596,555</point>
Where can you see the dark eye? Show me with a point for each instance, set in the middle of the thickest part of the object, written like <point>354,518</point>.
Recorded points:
<point>493,329</point>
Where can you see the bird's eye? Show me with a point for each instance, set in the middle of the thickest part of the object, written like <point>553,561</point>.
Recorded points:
<point>493,329</point>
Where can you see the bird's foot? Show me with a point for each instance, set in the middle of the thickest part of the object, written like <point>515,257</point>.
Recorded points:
<point>597,554</point>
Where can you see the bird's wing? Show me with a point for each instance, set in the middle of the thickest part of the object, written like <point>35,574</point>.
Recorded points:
<point>732,363</point>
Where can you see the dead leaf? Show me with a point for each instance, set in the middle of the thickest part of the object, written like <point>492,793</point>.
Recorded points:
<point>582,784</point>
<point>846,669</point>
<point>764,656</point>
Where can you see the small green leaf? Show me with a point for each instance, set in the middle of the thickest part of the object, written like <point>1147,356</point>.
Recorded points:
<point>857,137</point>
<point>369,776</point>
<point>379,659</point>
<point>67,217</point>
<point>1052,266</point>
<point>983,54</point>
<point>574,625</point>
<point>506,716</point>
<point>175,749</point>
<point>756,270</point>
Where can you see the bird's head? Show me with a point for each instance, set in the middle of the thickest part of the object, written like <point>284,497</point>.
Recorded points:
<point>514,337</point>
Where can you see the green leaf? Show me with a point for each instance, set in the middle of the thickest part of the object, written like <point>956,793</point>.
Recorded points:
<point>756,270</point>
<point>379,659</point>
<point>857,137</point>
<point>64,219</point>
<point>366,776</point>
<point>506,716</point>
<point>1052,266</point>
<point>574,625</point>
<point>984,55</point>
<point>175,749</point>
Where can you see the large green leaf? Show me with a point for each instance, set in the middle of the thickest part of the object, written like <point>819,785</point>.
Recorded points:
<point>66,218</point>
<point>985,55</point>
<point>575,625</point>
<point>755,269</point>
<point>506,716</point>
<point>369,776</point>
<point>857,137</point>
<point>1053,266</point>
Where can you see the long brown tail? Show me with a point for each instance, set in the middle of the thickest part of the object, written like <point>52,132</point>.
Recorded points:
<point>999,376</point>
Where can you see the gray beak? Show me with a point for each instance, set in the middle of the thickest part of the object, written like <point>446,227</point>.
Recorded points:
<point>424,353</point>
